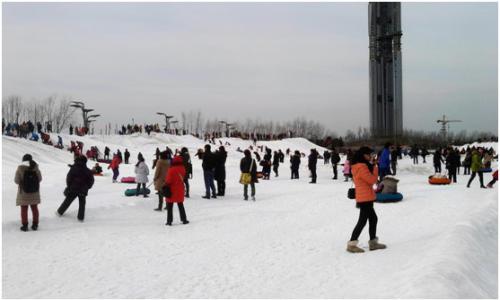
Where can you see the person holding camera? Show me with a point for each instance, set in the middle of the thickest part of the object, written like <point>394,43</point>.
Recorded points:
<point>365,174</point>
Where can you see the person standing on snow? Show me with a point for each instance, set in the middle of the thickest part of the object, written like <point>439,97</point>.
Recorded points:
<point>162,166</point>
<point>106,152</point>
<point>437,159</point>
<point>175,180</point>
<point>114,166</point>
<point>476,167</point>
<point>78,182</point>
<point>220,170</point>
<point>295,164</point>
<point>384,161</point>
<point>266,164</point>
<point>335,160</point>
<point>186,159</point>
<point>208,166</point>
<point>394,160</point>
<point>28,177</point>
<point>451,164</point>
<point>141,175</point>
<point>312,162</point>
<point>276,163</point>
<point>249,166</point>
<point>126,155</point>
<point>365,173</point>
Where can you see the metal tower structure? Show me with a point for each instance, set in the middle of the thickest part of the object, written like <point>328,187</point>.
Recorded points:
<point>445,126</point>
<point>386,98</point>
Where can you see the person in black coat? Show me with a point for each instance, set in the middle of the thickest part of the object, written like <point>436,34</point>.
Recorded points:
<point>313,160</point>
<point>79,181</point>
<point>220,170</point>
<point>335,160</point>
<point>266,164</point>
<point>276,163</point>
<point>208,165</point>
<point>282,156</point>
<point>452,163</point>
<point>394,160</point>
<point>294,164</point>
<point>437,159</point>
<point>326,157</point>
<point>186,160</point>
<point>248,165</point>
<point>126,155</point>
<point>106,152</point>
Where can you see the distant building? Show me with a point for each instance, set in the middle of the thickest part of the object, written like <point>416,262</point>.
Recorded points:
<point>386,98</point>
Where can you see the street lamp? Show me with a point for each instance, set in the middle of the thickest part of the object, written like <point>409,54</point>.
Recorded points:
<point>167,120</point>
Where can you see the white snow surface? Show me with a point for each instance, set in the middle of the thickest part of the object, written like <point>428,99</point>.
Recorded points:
<point>290,243</point>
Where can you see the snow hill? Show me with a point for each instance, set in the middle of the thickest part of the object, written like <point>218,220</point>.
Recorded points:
<point>290,243</point>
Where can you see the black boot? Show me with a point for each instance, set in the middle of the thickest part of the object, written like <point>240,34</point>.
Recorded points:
<point>206,197</point>
<point>34,227</point>
<point>24,227</point>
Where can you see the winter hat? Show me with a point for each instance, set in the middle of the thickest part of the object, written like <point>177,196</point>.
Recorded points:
<point>365,150</point>
<point>81,159</point>
<point>27,157</point>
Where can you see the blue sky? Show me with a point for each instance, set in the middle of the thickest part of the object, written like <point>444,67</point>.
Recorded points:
<point>257,60</point>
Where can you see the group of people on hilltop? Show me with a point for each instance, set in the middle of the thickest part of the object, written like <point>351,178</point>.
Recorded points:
<point>25,129</point>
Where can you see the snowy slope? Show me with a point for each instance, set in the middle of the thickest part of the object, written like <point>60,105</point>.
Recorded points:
<point>290,243</point>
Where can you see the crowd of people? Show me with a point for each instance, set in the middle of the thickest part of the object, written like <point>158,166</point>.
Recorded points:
<point>173,170</point>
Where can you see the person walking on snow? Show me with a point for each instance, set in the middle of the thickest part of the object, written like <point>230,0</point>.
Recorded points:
<point>162,166</point>
<point>106,152</point>
<point>249,166</point>
<point>186,159</point>
<point>208,166</point>
<point>141,175</point>
<point>114,166</point>
<point>78,182</point>
<point>28,177</point>
<point>335,160</point>
<point>437,159</point>
<point>365,173</point>
<point>175,180</point>
<point>476,167</point>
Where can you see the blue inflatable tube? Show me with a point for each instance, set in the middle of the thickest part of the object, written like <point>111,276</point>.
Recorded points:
<point>389,197</point>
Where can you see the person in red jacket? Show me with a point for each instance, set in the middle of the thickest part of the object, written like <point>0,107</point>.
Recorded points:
<point>364,173</point>
<point>175,180</point>
<point>115,163</point>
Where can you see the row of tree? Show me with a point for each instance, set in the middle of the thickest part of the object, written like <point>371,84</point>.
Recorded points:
<point>54,109</point>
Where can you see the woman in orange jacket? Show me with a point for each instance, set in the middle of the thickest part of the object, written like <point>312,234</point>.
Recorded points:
<point>364,173</point>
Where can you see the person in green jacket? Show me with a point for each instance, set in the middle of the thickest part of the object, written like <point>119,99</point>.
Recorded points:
<point>476,166</point>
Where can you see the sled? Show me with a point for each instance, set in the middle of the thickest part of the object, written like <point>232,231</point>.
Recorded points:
<point>392,197</point>
<point>98,174</point>
<point>128,180</point>
<point>260,175</point>
<point>439,180</point>
<point>486,170</point>
<point>104,161</point>
<point>132,192</point>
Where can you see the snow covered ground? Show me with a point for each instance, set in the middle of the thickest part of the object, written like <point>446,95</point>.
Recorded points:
<point>290,243</point>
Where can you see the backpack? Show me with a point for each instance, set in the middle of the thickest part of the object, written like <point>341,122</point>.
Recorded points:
<point>30,183</point>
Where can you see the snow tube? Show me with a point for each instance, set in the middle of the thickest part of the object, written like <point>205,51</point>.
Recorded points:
<point>105,161</point>
<point>393,197</point>
<point>439,180</point>
<point>132,192</point>
<point>486,170</point>
<point>100,174</point>
<point>128,180</point>
<point>260,175</point>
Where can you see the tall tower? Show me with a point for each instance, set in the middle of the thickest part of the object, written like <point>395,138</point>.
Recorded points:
<point>386,98</point>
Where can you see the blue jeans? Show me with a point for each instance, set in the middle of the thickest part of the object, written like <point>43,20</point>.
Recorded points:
<point>208,175</point>
<point>115,174</point>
